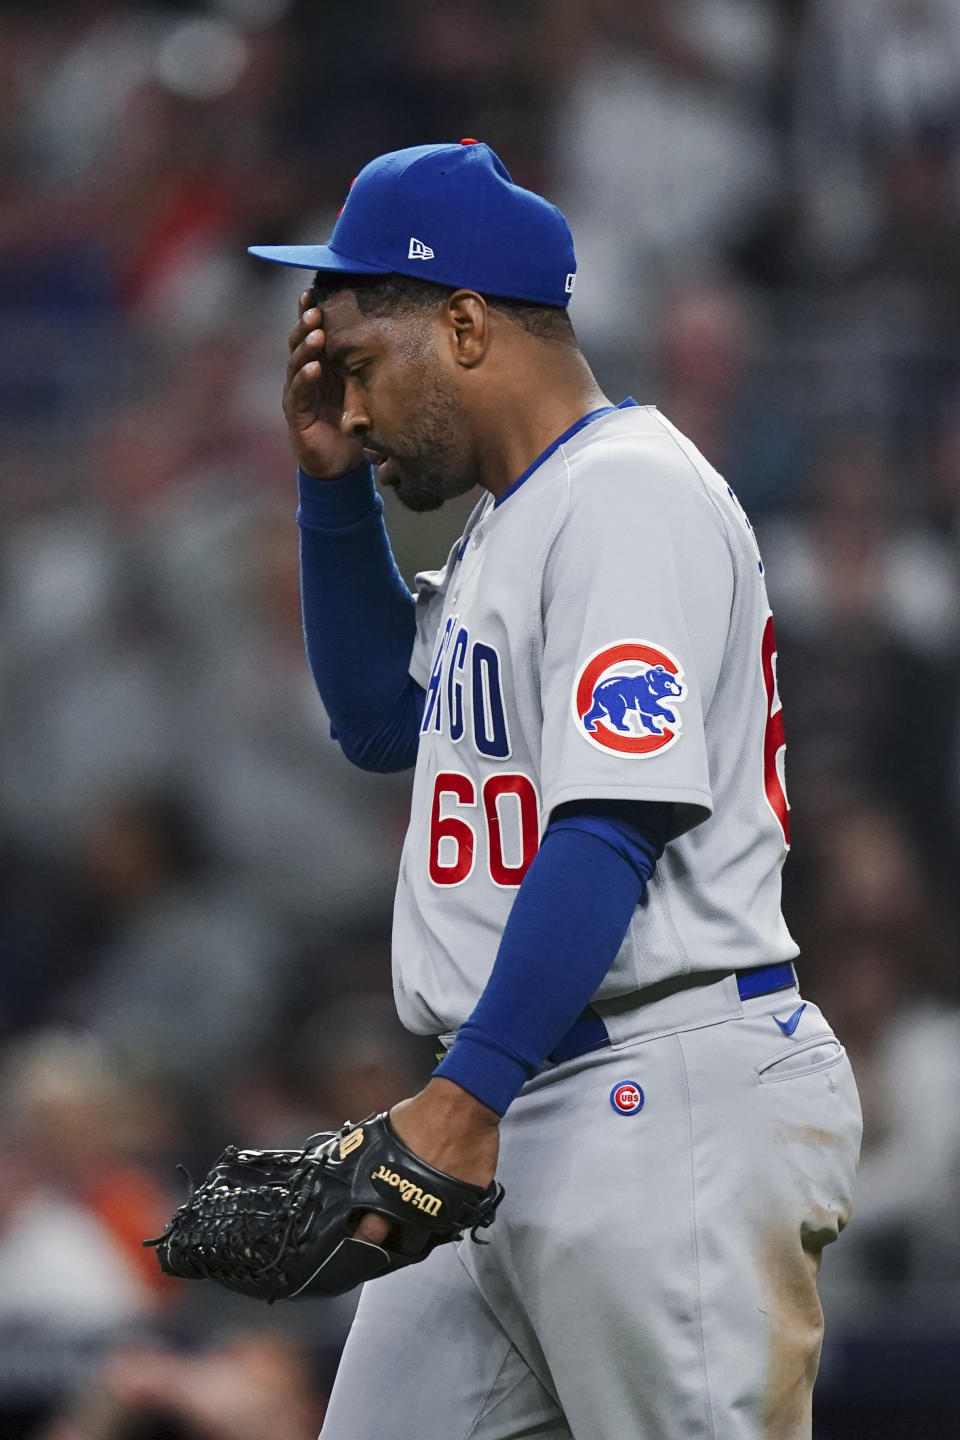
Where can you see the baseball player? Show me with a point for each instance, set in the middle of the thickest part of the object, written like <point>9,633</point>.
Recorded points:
<point>588,907</point>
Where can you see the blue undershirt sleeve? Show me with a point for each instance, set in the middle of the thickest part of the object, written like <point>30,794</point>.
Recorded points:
<point>358,621</point>
<point>568,921</point>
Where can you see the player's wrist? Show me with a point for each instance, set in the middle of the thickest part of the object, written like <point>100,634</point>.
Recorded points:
<point>338,503</point>
<point>333,456</point>
<point>326,476</point>
<point>485,1071</point>
<point>451,1130</point>
<point>447,1098</point>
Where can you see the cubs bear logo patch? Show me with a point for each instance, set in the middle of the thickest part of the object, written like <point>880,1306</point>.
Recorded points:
<point>625,698</point>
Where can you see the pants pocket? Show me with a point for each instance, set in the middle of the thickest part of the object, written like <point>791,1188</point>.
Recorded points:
<point>821,1052</point>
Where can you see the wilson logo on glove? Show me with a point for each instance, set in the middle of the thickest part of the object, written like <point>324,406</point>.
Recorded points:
<point>412,1194</point>
<point>351,1142</point>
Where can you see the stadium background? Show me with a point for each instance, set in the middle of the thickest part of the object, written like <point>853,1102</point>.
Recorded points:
<point>194,888</point>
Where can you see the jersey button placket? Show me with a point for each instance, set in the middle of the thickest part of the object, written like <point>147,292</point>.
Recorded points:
<point>469,569</point>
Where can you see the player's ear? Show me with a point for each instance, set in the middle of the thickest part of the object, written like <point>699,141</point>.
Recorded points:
<point>468,321</point>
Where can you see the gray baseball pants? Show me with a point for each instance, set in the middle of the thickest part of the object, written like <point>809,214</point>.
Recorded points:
<point>650,1276</point>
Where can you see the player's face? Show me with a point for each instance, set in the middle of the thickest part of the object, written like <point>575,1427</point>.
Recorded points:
<point>402,401</point>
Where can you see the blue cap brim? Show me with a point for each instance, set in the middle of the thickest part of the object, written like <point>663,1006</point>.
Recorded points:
<point>314,257</point>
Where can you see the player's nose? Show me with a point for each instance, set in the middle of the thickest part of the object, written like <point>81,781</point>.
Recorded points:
<point>355,422</point>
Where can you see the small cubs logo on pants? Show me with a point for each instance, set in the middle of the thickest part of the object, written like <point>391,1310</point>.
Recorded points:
<point>626,1097</point>
<point>625,695</point>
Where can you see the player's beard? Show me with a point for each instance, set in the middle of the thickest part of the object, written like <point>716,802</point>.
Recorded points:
<point>431,461</point>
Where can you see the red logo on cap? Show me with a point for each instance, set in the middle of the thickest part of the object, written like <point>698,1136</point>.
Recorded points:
<point>344,205</point>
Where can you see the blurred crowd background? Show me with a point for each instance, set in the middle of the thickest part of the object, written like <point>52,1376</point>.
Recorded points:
<point>195,888</point>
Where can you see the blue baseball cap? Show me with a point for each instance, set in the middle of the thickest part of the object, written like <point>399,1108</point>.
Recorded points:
<point>451,214</point>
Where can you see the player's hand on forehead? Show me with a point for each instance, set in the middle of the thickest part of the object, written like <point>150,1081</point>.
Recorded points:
<point>309,323</point>
<point>313,399</point>
<point>305,367</point>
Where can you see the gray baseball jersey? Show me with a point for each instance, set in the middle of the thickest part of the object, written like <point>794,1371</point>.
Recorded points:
<point>601,631</point>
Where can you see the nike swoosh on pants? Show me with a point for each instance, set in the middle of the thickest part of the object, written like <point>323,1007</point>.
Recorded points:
<point>788,1026</point>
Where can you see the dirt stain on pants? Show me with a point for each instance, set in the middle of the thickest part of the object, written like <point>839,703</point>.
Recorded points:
<point>791,1261</point>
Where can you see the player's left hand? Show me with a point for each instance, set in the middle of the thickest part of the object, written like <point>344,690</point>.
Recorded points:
<point>449,1129</point>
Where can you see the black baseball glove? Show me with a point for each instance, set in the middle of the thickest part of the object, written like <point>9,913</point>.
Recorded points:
<point>278,1224</point>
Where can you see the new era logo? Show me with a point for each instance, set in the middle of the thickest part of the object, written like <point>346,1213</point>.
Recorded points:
<point>419,251</point>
